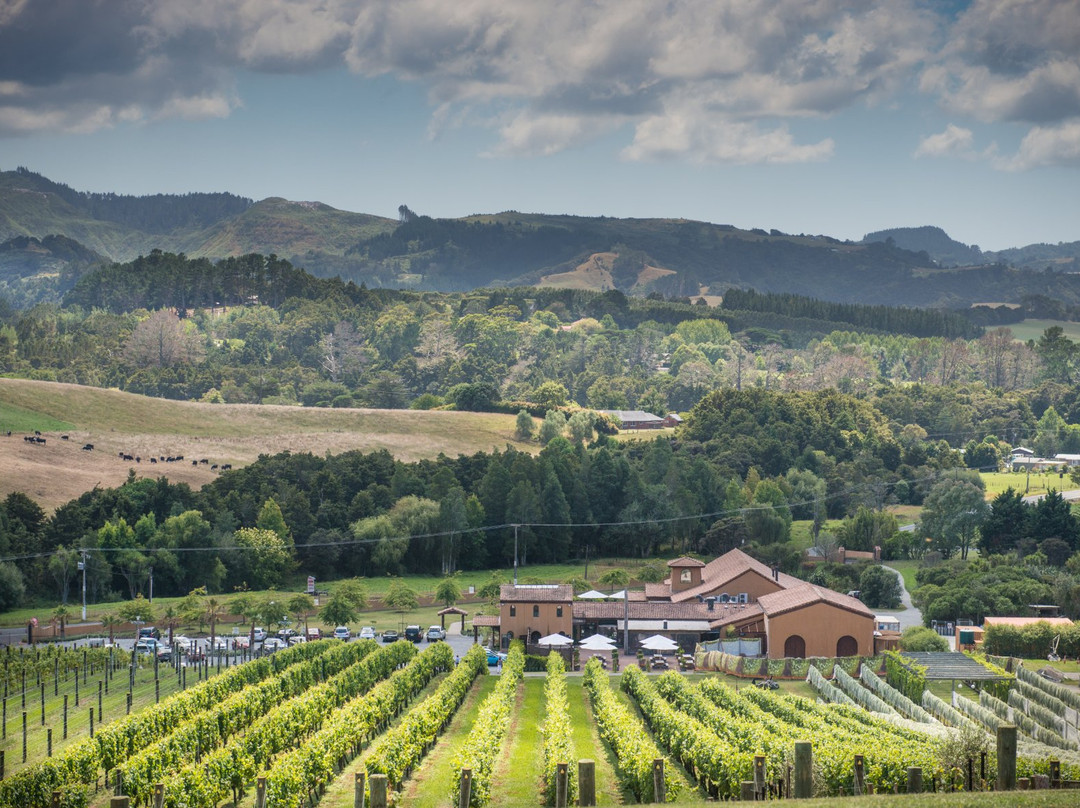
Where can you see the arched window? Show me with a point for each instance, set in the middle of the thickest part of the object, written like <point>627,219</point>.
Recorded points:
<point>795,646</point>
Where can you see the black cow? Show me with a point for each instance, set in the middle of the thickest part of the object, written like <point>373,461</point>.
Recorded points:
<point>88,447</point>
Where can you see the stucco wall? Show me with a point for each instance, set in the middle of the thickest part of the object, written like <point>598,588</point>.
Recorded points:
<point>751,583</point>
<point>821,626</point>
<point>547,623</point>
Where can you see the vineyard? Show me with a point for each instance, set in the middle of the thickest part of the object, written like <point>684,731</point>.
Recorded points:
<point>324,723</point>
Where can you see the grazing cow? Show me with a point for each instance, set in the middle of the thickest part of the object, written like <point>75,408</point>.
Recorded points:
<point>88,447</point>
<point>204,461</point>
<point>213,467</point>
<point>194,462</point>
<point>138,459</point>
<point>129,457</point>
<point>179,457</point>
<point>120,455</point>
<point>226,466</point>
<point>64,437</point>
<point>161,458</point>
<point>37,432</point>
<point>39,441</point>
<point>153,459</point>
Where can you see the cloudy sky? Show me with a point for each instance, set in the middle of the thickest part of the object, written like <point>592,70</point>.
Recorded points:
<point>816,116</point>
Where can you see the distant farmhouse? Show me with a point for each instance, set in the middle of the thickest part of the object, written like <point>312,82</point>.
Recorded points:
<point>733,595</point>
<point>638,419</point>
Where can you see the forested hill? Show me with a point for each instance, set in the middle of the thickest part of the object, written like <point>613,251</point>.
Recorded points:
<point>672,257</point>
<point>946,251</point>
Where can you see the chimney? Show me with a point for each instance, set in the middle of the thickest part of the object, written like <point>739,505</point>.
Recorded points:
<point>710,602</point>
<point>776,572</point>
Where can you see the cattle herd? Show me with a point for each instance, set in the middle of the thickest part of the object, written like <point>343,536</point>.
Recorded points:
<point>37,440</point>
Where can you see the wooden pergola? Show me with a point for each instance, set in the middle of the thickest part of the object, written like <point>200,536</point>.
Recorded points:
<point>452,610</point>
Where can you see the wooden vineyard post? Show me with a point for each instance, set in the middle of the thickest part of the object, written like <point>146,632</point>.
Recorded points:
<point>159,795</point>
<point>100,717</point>
<point>65,715</point>
<point>561,782</point>
<point>91,722</point>
<point>1055,774</point>
<point>378,790</point>
<point>120,802</point>
<point>42,704</point>
<point>860,776</point>
<point>586,776</point>
<point>969,777</point>
<point>1006,757</point>
<point>658,786</point>
<point>914,780</point>
<point>56,799</point>
<point>804,770</point>
<point>260,793</point>
<point>464,791</point>
<point>24,733</point>
<point>746,790</point>
<point>358,790</point>
<point>759,777</point>
<point>49,736</point>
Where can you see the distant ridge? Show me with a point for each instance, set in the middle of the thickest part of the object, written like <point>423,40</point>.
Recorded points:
<point>934,241</point>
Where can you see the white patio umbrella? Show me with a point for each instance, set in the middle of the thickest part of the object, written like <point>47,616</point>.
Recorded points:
<point>616,595</point>
<point>555,640</point>
<point>597,642</point>
<point>592,594</point>
<point>658,642</point>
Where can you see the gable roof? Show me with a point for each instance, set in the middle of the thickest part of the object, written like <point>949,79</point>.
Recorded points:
<point>536,593</point>
<point>638,416</point>
<point>797,597</point>
<point>686,561</point>
<point>730,566</point>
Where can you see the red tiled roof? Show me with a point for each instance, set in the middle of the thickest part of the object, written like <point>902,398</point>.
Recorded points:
<point>686,561</point>
<point>536,593</point>
<point>734,616</point>
<point>796,597</point>
<point>658,591</point>
<point>1025,621</point>
<point>640,610</point>
<point>729,566</point>
<point>486,620</point>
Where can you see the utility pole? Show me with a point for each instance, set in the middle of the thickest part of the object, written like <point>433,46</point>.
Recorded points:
<point>515,552</point>
<point>82,566</point>
<point>151,584</point>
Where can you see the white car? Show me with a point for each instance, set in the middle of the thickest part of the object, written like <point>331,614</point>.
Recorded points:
<point>342,633</point>
<point>271,644</point>
<point>296,639</point>
<point>260,634</point>
<point>435,633</point>
<point>367,633</point>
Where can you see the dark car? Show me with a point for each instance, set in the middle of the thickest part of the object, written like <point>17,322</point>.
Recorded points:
<point>413,633</point>
<point>389,635</point>
<point>149,633</point>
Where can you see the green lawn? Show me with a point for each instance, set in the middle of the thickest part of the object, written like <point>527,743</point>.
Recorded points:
<point>17,419</point>
<point>1035,483</point>
<point>517,778</point>
<point>589,746</point>
<point>1033,329</point>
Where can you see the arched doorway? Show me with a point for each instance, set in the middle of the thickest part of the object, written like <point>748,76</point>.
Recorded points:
<point>847,646</point>
<point>795,646</point>
<point>534,638</point>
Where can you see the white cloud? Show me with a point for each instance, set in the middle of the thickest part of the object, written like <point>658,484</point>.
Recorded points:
<point>1047,146</point>
<point>955,141</point>
<point>701,140</point>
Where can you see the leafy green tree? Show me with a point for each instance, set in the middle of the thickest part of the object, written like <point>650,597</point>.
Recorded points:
<point>952,514</point>
<point>615,578</point>
<point>63,566</point>
<point>136,610</point>
<point>880,588</point>
<point>550,394</point>
<point>339,611</point>
<point>355,592</point>
<point>490,591</point>
<point>920,638</point>
<point>523,426</point>
<point>867,529</point>
<point>300,606</point>
<point>1052,517</point>
<point>274,612</point>
<point>581,425</point>
<point>60,617</point>
<point>401,597</point>
<point>264,558</point>
<point>1058,354</point>
<point>553,425</point>
<point>448,591</point>
<point>1006,523</point>
<point>270,518</point>
<point>768,518</point>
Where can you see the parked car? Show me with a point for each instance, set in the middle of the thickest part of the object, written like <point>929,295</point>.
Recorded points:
<point>435,633</point>
<point>271,644</point>
<point>286,634</point>
<point>164,653</point>
<point>260,634</point>
<point>221,644</point>
<point>296,639</point>
<point>241,642</point>
<point>145,645</point>
<point>149,632</point>
<point>196,653</point>
<point>342,633</point>
<point>313,634</point>
<point>367,633</point>
<point>494,657</point>
<point>390,635</point>
<point>413,633</point>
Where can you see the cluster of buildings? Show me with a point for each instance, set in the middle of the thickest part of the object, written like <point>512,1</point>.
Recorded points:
<point>1024,459</point>
<point>733,596</point>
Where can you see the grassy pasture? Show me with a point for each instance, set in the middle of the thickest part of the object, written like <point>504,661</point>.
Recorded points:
<point>1033,329</point>
<point>1038,483</point>
<point>146,427</point>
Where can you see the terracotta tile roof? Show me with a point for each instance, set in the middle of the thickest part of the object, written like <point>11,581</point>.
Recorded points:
<point>729,566</point>
<point>734,616</point>
<point>486,620</point>
<point>685,561</point>
<point>640,610</point>
<point>786,600</point>
<point>658,591</point>
<point>1025,621</point>
<point>536,593</point>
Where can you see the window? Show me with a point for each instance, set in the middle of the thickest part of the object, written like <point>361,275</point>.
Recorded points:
<point>536,610</point>
<point>558,611</point>
<point>513,611</point>
<point>685,577</point>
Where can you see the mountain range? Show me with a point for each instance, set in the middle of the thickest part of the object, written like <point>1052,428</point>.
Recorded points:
<point>50,234</point>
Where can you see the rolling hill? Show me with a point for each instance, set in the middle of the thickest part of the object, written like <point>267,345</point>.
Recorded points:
<point>119,423</point>
<point>673,257</point>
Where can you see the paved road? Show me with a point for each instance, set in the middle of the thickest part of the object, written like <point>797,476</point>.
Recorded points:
<point>1068,496</point>
<point>909,615</point>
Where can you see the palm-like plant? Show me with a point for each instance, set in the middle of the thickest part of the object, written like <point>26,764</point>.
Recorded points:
<point>110,621</point>
<point>214,609</point>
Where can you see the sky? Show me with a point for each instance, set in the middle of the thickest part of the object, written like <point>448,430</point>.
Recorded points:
<point>809,116</point>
